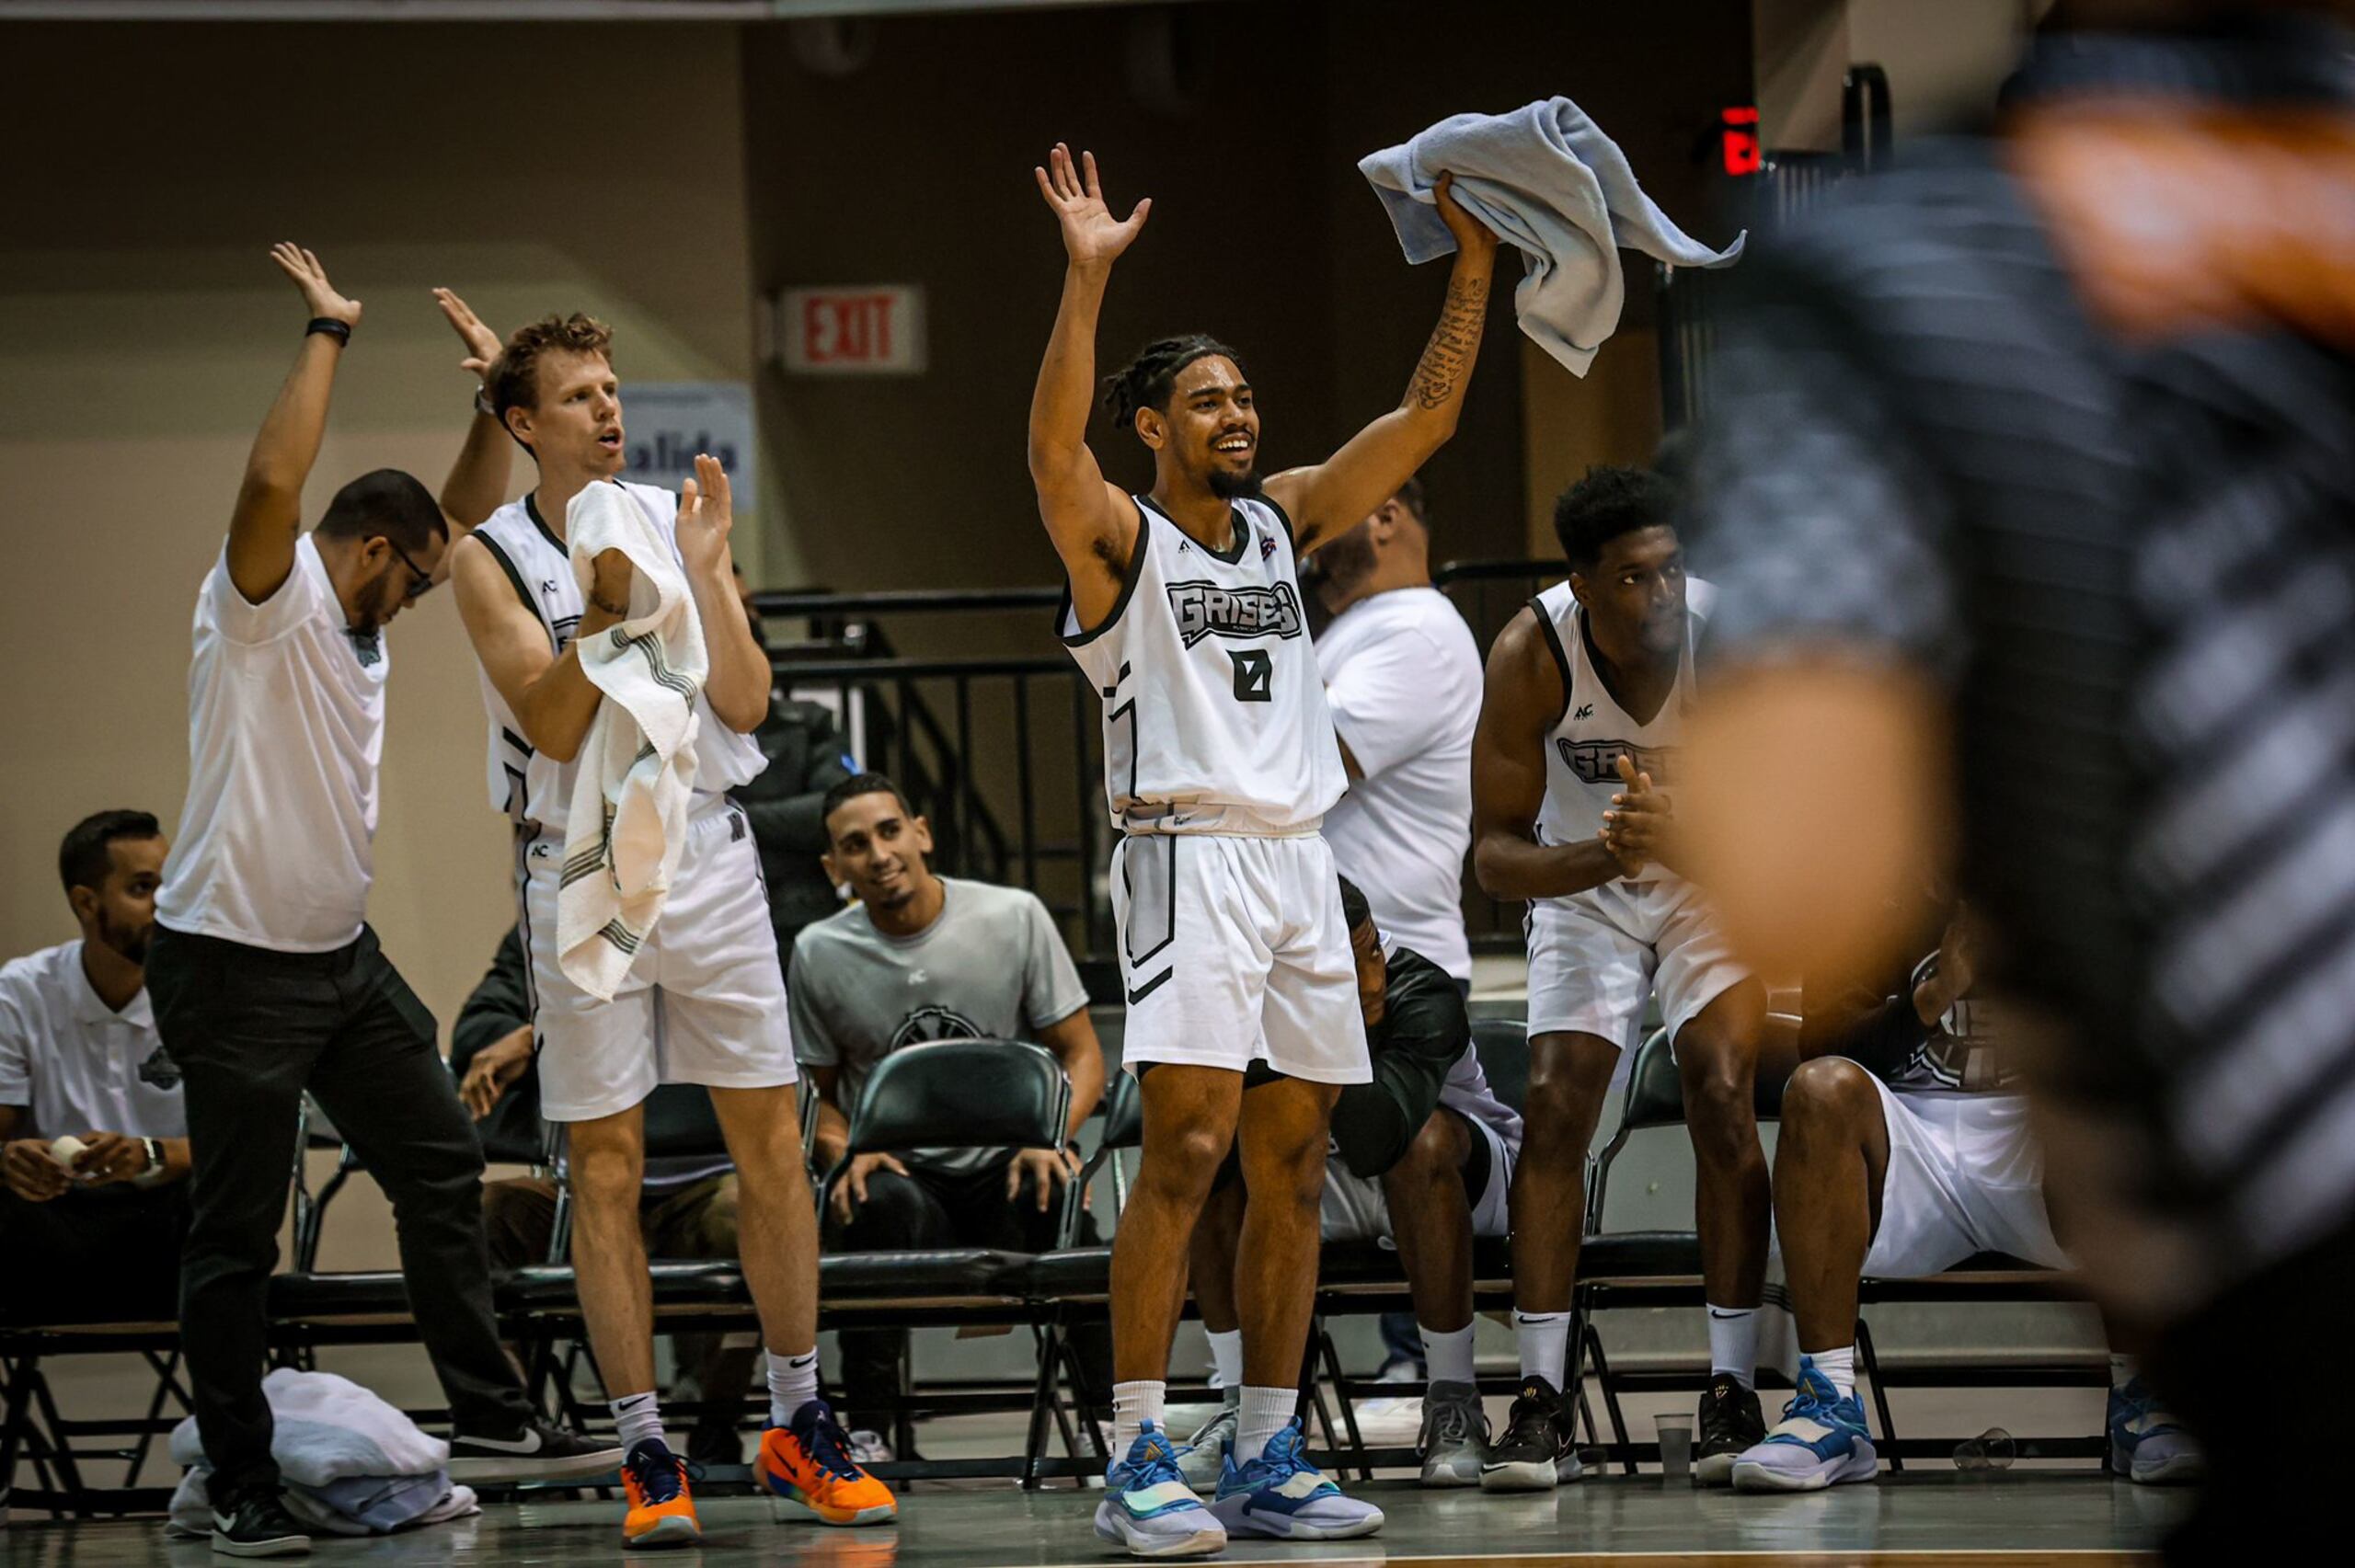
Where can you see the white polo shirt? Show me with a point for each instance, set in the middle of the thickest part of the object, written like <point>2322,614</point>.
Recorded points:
<point>285,732</point>
<point>78,1064</point>
<point>1402,677</point>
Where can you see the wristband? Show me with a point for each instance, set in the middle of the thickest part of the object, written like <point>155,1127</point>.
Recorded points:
<point>154,1171</point>
<point>339,330</point>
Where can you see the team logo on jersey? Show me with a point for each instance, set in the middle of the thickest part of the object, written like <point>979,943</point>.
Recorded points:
<point>1586,710</point>
<point>1266,547</point>
<point>932,1022</point>
<point>1206,609</point>
<point>1597,761</point>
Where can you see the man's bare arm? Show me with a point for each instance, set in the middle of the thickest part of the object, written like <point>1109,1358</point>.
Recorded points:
<point>1074,1043</point>
<point>478,483</point>
<point>1093,524</point>
<point>829,1131</point>
<point>1327,497</point>
<point>549,694</point>
<point>737,684</point>
<point>268,518</point>
<point>1521,699</point>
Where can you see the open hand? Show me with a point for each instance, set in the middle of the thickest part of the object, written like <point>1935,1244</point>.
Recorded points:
<point>1049,1169</point>
<point>705,514</point>
<point>1473,238</point>
<point>482,344</point>
<point>851,1191</point>
<point>494,1070</point>
<point>319,294</point>
<point>1092,236</point>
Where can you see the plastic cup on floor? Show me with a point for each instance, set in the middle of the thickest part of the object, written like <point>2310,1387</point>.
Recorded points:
<point>1675,1448</point>
<point>1991,1449</point>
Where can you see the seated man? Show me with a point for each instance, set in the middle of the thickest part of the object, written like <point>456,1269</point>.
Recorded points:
<point>925,957</point>
<point>94,1231</point>
<point>687,1208</point>
<point>1423,1156</point>
<point>1898,1159</point>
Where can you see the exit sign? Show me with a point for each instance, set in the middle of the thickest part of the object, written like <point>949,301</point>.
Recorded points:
<point>852,331</point>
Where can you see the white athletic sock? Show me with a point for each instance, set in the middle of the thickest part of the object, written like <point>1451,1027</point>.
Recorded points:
<point>1226,1360</point>
<point>1133,1404</point>
<point>639,1416</point>
<point>1447,1354</point>
<point>1839,1366</point>
<point>1733,1343</point>
<point>792,1382</point>
<point>1265,1412</point>
<point>2122,1370</point>
<point>1544,1339</point>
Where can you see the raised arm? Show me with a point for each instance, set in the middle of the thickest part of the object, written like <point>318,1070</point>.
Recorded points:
<point>1327,497</point>
<point>739,683</point>
<point>268,515</point>
<point>1522,700</point>
<point>478,483</point>
<point>549,694</point>
<point>1093,524</point>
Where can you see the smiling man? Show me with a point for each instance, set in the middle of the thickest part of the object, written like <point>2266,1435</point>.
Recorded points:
<point>1219,763</point>
<point>927,957</point>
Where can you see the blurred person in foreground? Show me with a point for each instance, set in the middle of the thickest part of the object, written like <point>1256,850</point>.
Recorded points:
<point>2029,488</point>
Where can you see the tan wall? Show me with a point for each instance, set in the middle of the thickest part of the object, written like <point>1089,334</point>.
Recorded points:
<point>1945,59</point>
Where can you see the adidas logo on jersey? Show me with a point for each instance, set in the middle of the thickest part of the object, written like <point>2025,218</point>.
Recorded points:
<point>1205,609</point>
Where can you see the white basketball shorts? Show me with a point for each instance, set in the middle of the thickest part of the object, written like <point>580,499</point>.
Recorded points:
<point>1964,1176</point>
<point>1595,957</point>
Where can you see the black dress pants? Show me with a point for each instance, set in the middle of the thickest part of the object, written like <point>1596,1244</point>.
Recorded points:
<point>251,1029</point>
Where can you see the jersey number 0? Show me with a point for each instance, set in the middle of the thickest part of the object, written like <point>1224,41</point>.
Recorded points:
<point>1254,672</point>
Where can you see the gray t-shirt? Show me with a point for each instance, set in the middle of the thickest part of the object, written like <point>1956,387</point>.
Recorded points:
<point>993,967</point>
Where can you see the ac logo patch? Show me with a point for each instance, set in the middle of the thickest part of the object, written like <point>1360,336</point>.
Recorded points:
<point>1205,609</point>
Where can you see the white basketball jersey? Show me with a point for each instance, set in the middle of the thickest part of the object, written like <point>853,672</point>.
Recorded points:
<point>1214,718</point>
<point>1583,749</point>
<point>535,790</point>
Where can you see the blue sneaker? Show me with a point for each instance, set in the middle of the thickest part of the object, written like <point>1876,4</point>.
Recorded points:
<point>1819,1442</point>
<point>1282,1495</point>
<point>1148,1507</point>
<point>2147,1444</point>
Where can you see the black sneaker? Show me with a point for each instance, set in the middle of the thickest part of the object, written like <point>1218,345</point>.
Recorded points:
<point>260,1526</point>
<point>1538,1451</point>
<point>1730,1420</point>
<point>542,1452</point>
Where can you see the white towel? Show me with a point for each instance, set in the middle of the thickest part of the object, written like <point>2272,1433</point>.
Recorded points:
<point>637,766</point>
<point>1548,182</point>
<point>353,1464</point>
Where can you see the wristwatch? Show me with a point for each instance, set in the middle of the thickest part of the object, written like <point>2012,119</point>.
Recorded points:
<point>154,1170</point>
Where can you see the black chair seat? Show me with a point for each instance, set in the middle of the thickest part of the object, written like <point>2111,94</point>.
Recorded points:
<point>1996,1275</point>
<point>1639,1255</point>
<point>1069,1273</point>
<point>959,1271</point>
<point>550,1287</point>
<point>370,1293</point>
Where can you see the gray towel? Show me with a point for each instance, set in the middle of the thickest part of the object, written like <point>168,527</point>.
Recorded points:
<point>1548,182</point>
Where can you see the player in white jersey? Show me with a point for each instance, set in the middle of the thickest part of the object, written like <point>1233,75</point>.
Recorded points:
<point>1572,768</point>
<point>703,1002</point>
<point>1220,761</point>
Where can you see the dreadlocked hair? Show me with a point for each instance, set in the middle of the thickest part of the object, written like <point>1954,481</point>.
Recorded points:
<point>1147,380</point>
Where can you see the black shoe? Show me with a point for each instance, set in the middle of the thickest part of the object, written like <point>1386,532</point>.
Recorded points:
<point>257,1525</point>
<point>1536,1452</point>
<point>1731,1422</point>
<point>715,1445</point>
<point>542,1452</point>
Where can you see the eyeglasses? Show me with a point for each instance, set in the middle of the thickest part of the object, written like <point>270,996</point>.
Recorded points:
<point>419,582</point>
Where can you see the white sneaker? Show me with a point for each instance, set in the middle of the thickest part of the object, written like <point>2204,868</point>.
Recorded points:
<point>868,1447</point>
<point>1149,1509</point>
<point>1202,1455</point>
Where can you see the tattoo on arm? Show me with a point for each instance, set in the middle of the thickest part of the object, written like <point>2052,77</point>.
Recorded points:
<point>1438,376</point>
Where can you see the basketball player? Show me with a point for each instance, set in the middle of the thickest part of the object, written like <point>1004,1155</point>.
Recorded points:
<point>703,1002</point>
<point>1587,691</point>
<point>1220,761</point>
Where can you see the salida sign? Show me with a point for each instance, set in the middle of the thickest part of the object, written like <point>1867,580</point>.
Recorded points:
<point>876,330</point>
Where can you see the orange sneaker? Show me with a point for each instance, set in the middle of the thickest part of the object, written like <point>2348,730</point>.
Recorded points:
<point>809,1465</point>
<point>661,1511</point>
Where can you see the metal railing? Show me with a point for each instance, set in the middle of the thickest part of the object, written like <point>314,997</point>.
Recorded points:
<point>1003,752</point>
